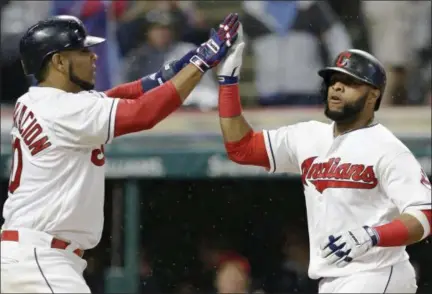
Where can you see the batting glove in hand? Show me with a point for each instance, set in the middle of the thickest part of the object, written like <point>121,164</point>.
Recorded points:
<point>342,249</point>
<point>210,53</point>
<point>229,69</point>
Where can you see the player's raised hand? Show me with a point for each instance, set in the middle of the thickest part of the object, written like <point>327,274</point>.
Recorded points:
<point>342,249</point>
<point>229,68</point>
<point>211,52</point>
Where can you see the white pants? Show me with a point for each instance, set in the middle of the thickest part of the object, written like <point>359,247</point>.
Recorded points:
<point>399,278</point>
<point>28,268</point>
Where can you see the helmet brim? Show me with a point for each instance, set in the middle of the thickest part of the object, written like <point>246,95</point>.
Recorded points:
<point>328,71</point>
<point>93,41</point>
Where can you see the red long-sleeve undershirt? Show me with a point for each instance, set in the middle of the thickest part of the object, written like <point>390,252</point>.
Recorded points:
<point>138,111</point>
<point>130,90</point>
<point>249,150</point>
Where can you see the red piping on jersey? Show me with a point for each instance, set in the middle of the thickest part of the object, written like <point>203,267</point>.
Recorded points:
<point>250,150</point>
<point>130,90</point>
<point>144,112</point>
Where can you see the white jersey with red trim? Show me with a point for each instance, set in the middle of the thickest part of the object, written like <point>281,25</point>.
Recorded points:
<point>363,177</point>
<point>58,173</point>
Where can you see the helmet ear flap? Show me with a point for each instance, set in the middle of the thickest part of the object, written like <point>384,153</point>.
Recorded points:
<point>377,103</point>
<point>25,70</point>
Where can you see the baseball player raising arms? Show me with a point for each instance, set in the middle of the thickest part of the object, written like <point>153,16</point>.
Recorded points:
<point>54,209</point>
<point>367,197</point>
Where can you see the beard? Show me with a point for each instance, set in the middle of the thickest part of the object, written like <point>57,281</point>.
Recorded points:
<point>86,86</point>
<point>349,113</point>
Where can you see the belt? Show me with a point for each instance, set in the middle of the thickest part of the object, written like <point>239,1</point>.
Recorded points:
<point>55,243</point>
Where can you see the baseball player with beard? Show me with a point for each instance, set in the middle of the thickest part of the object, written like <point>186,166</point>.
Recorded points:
<point>54,209</point>
<point>367,197</point>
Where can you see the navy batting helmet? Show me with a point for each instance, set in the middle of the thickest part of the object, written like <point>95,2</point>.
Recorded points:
<point>55,34</point>
<point>360,65</point>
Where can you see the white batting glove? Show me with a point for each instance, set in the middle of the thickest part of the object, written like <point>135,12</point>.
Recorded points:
<point>229,69</point>
<point>342,249</point>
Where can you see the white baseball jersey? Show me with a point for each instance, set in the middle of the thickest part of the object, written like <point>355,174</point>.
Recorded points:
<point>58,173</point>
<point>363,177</point>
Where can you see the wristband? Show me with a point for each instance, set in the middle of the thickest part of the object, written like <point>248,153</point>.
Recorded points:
<point>167,72</point>
<point>392,234</point>
<point>199,63</point>
<point>227,80</point>
<point>152,81</point>
<point>229,101</point>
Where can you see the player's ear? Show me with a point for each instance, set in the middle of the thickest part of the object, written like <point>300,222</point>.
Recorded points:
<point>376,93</point>
<point>60,62</point>
<point>373,95</point>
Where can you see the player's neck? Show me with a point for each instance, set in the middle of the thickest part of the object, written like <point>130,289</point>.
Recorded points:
<point>342,127</point>
<point>61,84</point>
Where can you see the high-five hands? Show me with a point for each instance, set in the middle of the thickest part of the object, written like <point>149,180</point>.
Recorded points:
<point>229,68</point>
<point>204,57</point>
<point>211,52</point>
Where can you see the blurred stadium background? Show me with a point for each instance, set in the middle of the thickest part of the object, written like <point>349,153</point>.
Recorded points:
<point>169,188</point>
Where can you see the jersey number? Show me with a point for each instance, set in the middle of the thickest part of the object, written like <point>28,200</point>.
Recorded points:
<point>16,167</point>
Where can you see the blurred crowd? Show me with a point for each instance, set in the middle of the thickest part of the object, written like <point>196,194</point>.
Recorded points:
<point>288,41</point>
<point>223,268</point>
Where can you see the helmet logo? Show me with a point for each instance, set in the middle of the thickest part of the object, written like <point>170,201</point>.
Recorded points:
<point>343,59</point>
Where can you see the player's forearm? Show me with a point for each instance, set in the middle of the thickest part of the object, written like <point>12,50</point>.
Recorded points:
<point>146,111</point>
<point>234,128</point>
<point>186,80</point>
<point>407,229</point>
<point>243,145</point>
<point>134,90</point>
<point>233,124</point>
<point>155,105</point>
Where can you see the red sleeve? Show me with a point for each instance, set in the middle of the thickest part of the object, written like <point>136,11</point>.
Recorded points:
<point>130,90</point>
<point>147,110</point>
<point>250,150</point>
